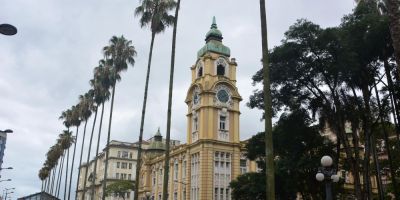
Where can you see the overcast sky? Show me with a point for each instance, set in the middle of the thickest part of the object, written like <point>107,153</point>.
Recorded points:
<point>49,62</point>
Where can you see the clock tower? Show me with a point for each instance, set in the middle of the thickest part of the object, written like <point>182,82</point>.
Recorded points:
<point>213,98</point>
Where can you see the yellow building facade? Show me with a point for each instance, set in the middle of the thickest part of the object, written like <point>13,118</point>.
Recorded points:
<point>213,155</point>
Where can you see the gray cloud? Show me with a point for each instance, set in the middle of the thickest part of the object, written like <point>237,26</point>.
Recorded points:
<point>49,62</point>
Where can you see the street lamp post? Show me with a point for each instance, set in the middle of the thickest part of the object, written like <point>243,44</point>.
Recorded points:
<point>327,173</point>
<point>148,194</point>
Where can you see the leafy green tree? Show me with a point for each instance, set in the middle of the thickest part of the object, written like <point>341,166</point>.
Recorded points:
<point>249,186</point>
<point>153,14</point>
<point>119,189</point>
<point>119,55</point>
<point>298,148</point>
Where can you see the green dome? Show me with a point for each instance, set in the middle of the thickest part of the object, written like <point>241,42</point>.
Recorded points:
<point>214,33</point>
<point>214,42</point>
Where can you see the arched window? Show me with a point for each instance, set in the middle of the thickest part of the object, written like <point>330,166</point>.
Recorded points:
<point>221,70</point>
<point>199,69</point>
<point>200,72</point>
<point>221,67</point>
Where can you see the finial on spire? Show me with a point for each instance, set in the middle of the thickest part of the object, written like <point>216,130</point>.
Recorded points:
<point>214,23</point>
<point>158,133</point>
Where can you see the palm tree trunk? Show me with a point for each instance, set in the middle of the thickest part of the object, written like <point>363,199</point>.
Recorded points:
<point>171,85</point>
<point>72,163</point>
<point>387,146</point>
<point>269,153</point>
<point>108,143</point>
<point>46,187</point>
<point>66,176</point>
<point>41,189</point>
<point>394,21</point>
<point>59,173</point>
<point>393,99</point>
<point>59,178</point>
<point>367,132</point>
<point>80,160</point>
<point>97,153</point>
<point>88,156</point>
<point>53,179</point>
<point>378,176</point>
<point>139,158</point>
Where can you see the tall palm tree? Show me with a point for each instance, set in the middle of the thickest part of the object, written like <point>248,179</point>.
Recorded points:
<point>66,140</point>
<point>120,52</point>
<point>75,121</point>
<point>153,14</point>
<point>101,85</point>
<point>59,176</point>
<point>43,174</point>
<point>171,84</point>
<point>94,107</point>
<point>85,108</point>
<point>270,171</point>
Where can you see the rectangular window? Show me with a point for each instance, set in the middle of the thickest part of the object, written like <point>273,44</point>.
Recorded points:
<point>130,155</point>
<point>129,176</point>
<point>124,165</point>
<point>176,170</point>
<point>222,175</point>
<point>243,166</point>
<point>195,124</point>
<point>119,154</point>
<point>184,170</point>
<point>222,122</point>
<point>118,164</point>
<point>124,154</point>
<point>195,176</point>
<point>130,165</point>
<point>117,175</point>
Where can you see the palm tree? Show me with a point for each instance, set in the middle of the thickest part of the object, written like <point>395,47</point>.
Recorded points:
<point>66,140</point>
<point>59,177</point>
<point>43,174</point>
<point>101,85</point>
<point>120,54</point>
<point>85,109</point>
<point>75,121</point>
<point>153,14</point>
<point>94,107</point>
<point>270,172</point>
<point>171,84</point>
<point>67,117</point>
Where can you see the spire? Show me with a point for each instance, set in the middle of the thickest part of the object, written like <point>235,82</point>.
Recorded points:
<point>158,133</point>
<point>214,23</point>
<point>214,33</point>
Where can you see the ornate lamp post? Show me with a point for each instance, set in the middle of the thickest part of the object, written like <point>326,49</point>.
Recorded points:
<point>328,174</point>
<point>148,194</point>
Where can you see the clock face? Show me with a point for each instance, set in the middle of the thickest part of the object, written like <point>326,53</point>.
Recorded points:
<point>223,96</point>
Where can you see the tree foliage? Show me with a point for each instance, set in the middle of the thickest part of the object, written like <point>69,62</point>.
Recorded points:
<point>119,188</point>
<point>298,148</point>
